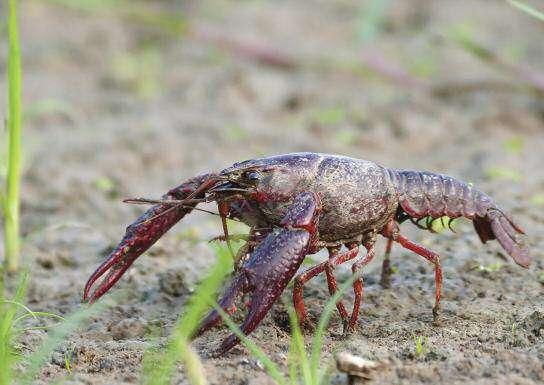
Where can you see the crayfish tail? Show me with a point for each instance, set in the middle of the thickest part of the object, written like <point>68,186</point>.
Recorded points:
<point>425,194</point>
<point>509,235</point>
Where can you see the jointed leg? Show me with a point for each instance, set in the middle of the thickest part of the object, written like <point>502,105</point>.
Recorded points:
<point>434,259</point>
<point>333,285</point>
<point>336,259</point>
<point>386,266</point>
<point>391,231</point>
<point>358,286</point>
<point>300,280</point>
<point>304,277</point>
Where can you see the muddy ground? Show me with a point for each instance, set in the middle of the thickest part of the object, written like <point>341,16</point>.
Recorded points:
<point>118,104</point>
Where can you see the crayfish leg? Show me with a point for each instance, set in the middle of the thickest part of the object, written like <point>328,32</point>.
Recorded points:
<point>386,266</point>
<point>304,277</point>
<point>358,285</point>
<point>333,285</point>
<point>391,231</point>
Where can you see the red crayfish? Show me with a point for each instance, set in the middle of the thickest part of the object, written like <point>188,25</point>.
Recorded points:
<point>297,204</point>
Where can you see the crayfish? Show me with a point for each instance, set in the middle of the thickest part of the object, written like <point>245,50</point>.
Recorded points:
<point>297,204</point>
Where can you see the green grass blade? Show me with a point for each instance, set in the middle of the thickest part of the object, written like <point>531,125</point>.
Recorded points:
<point>271,368</point>
<point>57,334</point>
<point>317,341</point>
<point>1,287</point>
<point>527,9</point>
<point>300,354</point>
<point>22,306</point>
<point>36,314</point>
<point>158,367</point>
<point>292,359</point>
<point>11,200</point>
<point>7,314</point>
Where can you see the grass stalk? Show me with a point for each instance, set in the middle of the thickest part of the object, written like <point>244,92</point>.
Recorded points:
<point>11,200</point>
<point>59,333</point>
<point>8,311</point>
<point>298,357</point>
<point>159,366</point>
<point>303,369</point>
<point>317,341</point>
<point>10,317</point>
<point>527,9</point>
<point>271,368</point>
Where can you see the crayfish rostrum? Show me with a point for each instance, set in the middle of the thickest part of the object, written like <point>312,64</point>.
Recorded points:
<point>297,204</point>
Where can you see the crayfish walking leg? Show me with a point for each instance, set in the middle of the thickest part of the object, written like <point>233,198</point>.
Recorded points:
<point>358,285</point>
<point>333,285</point>
<point>304,277</point>
<point>386,266</point>
<point>391,231</point>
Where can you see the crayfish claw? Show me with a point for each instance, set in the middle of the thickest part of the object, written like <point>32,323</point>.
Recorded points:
<point>270,267</point>
<point>144,232</point>
<point>227,303</point>
<point>257,311</point>
<point>263,297</point>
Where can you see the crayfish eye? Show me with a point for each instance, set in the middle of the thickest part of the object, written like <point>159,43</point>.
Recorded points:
<point>253,176</point>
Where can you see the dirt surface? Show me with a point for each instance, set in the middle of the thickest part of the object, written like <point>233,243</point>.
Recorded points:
<point>118,107</point>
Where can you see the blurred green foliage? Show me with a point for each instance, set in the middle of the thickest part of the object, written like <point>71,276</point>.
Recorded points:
<point>371,19</point>
<point>140,12</point>
<point>139,72</point>
<point>503,173</point>
<point>423,66</point>
<point>537,199</point>
<point>514,145</point>
<point>8,312</point>
<point>234,134</point>
<point>158,366</point>
<point>464,34</point>
<point>527,9</point>
<point>329,116</point>
<point>345,137</point>
<point>49,106</point>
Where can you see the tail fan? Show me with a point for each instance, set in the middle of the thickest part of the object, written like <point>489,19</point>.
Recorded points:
<point>496,225</point>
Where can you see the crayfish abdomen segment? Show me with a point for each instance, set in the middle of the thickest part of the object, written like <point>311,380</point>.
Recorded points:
<point>426,194</point>
<point>423,194</point>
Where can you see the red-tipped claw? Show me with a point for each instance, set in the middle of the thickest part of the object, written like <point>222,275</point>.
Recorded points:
<point>270,268</point>
<point>144,232</point>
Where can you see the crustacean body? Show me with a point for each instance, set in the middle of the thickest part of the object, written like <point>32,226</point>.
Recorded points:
<point>297,204</point>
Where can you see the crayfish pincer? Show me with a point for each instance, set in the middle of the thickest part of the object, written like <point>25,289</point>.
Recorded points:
<point>297,204</point>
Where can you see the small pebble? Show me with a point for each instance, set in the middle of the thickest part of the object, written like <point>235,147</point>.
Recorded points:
<point>355,366</point>
<point>172,282</point>
<point>129,328</point>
